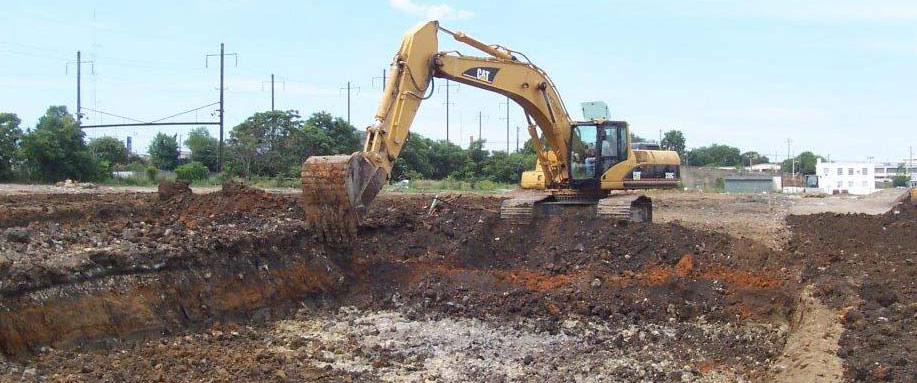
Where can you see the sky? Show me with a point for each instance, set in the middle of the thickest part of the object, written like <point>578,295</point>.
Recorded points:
<point>836,77</point>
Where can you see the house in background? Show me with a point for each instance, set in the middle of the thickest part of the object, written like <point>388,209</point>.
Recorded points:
<point>846,177</point>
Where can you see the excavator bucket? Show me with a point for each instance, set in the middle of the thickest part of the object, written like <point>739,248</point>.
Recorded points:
<point>336,193</point>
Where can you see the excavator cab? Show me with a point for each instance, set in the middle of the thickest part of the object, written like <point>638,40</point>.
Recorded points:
<point>595,146</point>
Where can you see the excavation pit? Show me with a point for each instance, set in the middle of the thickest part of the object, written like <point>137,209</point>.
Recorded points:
<point>229,286</point>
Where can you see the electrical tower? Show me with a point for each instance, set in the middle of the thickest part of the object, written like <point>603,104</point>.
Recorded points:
<point>222,110</point>
<point>79,104</point>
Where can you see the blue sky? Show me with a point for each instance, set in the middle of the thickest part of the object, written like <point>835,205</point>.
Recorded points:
<point>836,77</point>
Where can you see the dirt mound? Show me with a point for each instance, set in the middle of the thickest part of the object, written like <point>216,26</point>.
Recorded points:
<point>865,265</point>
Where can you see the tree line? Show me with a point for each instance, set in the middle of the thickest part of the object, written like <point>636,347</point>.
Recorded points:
<point>266,144</point>
<point>275,143</point>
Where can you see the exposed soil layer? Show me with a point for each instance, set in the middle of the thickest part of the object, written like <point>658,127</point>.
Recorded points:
<point>195,287</point>
<point>864,266</point>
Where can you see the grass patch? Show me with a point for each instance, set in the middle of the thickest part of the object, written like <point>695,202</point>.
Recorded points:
<point>449,184</point>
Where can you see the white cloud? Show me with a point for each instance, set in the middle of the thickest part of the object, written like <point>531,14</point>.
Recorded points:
<point>430,12</point>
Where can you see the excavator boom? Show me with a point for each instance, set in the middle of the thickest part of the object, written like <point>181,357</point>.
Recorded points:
<point>338,189</point>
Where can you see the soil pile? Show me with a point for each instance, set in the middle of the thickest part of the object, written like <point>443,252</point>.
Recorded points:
<point>864,265</point>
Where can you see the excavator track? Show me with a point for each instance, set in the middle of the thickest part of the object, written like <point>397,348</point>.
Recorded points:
<point>623,207</point>
<point>521,208</point>
<point>626,207</point>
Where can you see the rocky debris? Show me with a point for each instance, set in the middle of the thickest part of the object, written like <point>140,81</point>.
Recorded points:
<point>17,234</point>
<point>347,344</point>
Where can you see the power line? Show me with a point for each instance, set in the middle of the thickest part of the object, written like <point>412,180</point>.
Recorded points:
<point>186,112</point>
<point>114,115</point>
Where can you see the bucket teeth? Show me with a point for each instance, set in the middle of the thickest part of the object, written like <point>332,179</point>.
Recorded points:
<point>327,205</point>
<point>336,193</point>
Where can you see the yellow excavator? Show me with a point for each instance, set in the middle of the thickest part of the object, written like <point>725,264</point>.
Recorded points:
<point>578,162</point>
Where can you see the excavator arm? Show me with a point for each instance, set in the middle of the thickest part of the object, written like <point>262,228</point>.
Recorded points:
<point>338,189</point>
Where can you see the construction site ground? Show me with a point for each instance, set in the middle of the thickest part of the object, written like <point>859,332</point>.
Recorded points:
<point>226,285</point>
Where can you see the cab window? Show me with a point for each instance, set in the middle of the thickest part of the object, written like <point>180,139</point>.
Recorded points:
<point>584,155</point>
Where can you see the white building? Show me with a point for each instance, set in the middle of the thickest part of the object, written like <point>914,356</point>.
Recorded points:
<point>886,171</point>
<point>764,168</point>
<point>846,177</point>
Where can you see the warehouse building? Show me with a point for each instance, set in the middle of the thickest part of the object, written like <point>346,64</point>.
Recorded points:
<point>752,184</point>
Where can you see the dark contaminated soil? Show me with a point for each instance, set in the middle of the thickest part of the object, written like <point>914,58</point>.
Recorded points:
<point>864,266</point>
<point>187,280</point>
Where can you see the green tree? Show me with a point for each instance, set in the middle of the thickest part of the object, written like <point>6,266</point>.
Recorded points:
<point>204,148</point>
<point>754,158</point>
<point>414,160</point>
<point>446,158</point>
<point>674,140</point>
<point>804,163</point>
<point>56,149</point>
<point>110,149</point>
<point>634,138</point>
<point>714,155</point>
<point>164,151</point>
<point>475,157</point>
<point>275,144</point>
<point>507,168</point>
<point>900,180</point>
<point>192,171</point>
<point>344,137</point>
<point>10,134</point>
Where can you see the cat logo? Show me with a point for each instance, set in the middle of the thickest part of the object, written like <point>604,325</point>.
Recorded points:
<point>484,74</point>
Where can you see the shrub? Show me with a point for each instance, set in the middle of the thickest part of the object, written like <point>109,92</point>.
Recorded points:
<point>151,173</point>
<point>192,171</point>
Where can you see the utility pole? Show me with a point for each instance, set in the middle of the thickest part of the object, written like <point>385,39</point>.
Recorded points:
<point>383,78</point>
<point>517,138</point>
<point>792,160</point>
<point>349,88</point>
<point>272,82</point>
<point>507,122</point>
<point>479,125</point>
<point>79,75</point>
<point>79,106</point>
<point>222,110</point>
<point>448,105</point>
